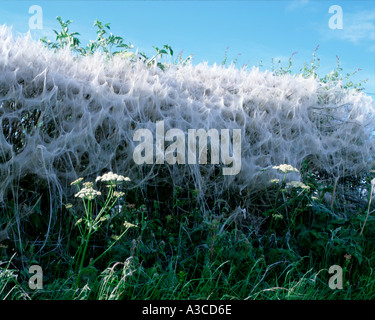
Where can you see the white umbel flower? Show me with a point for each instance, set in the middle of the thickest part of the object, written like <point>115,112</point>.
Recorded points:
<point>112,178</point>
<point>87,193</point>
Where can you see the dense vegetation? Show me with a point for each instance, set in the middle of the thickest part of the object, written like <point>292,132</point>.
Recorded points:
<point>110,243</point>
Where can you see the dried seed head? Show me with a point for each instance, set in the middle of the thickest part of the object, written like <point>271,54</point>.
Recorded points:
<point>118,194</point>
<point>112,178</point>
<point>87,193</point>
<point>88,185</point>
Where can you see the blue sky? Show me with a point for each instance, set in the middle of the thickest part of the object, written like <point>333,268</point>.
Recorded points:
<point>257,30</point>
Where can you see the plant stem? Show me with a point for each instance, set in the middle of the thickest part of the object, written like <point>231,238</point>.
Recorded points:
<point>93,261</point>
<point>368,209</point>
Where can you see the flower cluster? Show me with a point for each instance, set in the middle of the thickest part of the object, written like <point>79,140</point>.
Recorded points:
<point>297,184</point>
<point>88,193</point>
<point>285,168</point>
<point>112,178</point>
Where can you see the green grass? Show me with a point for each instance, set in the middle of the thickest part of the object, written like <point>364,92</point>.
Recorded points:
<point>170,255</point>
